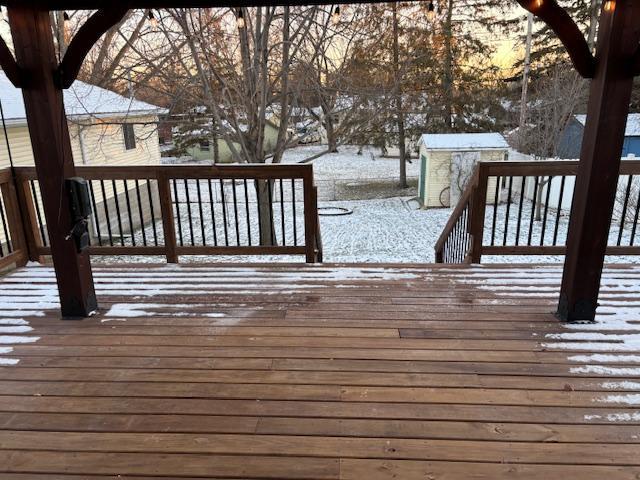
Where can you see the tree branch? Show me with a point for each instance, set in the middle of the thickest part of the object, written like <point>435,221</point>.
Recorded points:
<point>567,31</point>
<point>9,65</point>
<point>99,23</point>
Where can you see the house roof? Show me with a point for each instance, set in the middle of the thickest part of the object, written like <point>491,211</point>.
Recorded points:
<point>80,101</point>
<point>633,124</point>
<point>463,141</point>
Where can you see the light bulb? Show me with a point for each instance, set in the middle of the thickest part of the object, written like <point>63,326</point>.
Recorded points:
<point>335,17</point>
<point>240,19</point>
<point>66,19</point>
<point>538,3</point>
<point>153,21</point>
<point>431,11</point>
<point>609,6</point>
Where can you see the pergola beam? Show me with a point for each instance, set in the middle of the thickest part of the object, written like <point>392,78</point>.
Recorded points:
<point>82,42</point>
<point>9,65</point>
<point>567,31</point>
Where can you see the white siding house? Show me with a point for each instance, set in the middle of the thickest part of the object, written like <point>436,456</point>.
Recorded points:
<point>105,128</point>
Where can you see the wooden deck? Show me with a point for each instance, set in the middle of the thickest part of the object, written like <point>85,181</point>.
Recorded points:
<point>319,372</point>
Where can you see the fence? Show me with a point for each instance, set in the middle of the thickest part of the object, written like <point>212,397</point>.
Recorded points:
<point>188,210</point>
<point>12,243</point>
<point>523,208</point>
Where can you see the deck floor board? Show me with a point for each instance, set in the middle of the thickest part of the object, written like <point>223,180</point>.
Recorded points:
<point>319,372</point>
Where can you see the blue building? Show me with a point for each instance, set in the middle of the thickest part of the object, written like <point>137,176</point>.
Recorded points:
<point>569,146</point>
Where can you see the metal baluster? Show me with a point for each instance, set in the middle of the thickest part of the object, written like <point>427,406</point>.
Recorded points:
<point>284,236</point>
<point>495,211</point>
<point>546,210</point>
<point>43,233</point>
<point>246,204</point>
<point>204,239</point>
<point>271,225</point>
<point>520,205</point>
<point>5,229</point>
<point>559,211</point>
<point>235,210</point>
<point>129,215</point>
<point>533,209</point>
<point>624,209</point>
<point>635,221</point>
<point>224,213</point>
<point>152,211</point>
<point>213,214</point>
<point>189,216</point>
<point>106,212</point>
<point>293,205</point>
<point>118,216</point>
<point>178,216</point>
<point>140,213</point>
<point>508,212</point>
<point>95,212</point>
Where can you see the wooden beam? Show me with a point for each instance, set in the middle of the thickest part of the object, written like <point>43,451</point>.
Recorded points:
<point>597,178</point>
<point>9,65</point>
<point>47,122</point>
<point>144,4</point>
<point>85,39</point>
<point>567,31</point>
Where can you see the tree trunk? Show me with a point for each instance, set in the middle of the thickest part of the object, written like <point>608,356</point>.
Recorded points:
<point>398,94</point>
<point>264,191</point>
<point>447,81</point>
<point>332,141</point>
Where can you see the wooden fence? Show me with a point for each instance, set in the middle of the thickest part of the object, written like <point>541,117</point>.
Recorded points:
<point>175,210</point>
<point>527,212</point>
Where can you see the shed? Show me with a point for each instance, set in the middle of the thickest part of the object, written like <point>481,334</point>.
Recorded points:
<point>447,161</point>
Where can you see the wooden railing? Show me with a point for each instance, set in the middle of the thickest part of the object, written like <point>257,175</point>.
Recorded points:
<point>189,210</point>
<point>523,208</point>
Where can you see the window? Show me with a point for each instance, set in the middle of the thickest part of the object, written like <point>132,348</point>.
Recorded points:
<point>204,145</point>
<point>129,136</point>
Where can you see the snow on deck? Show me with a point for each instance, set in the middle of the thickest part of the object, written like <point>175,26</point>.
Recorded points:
<point>281,371</point>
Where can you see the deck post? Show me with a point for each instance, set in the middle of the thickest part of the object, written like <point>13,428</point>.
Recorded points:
<point>478,204</point>
<point>597,177</point>
<point>47,122</point>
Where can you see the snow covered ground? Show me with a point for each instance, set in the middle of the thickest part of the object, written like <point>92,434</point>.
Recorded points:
<point>348,176</point>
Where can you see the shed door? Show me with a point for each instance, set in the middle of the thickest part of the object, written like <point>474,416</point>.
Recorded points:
<point>462,164</point>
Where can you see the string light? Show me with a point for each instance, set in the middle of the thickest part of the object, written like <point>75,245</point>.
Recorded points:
<point>609,6</point>
<point>66,19</point>
<point>335,17</point>
<point>538,3</point>
<point>153,21</point>
<point>240,23</point>
<point>431,11</point>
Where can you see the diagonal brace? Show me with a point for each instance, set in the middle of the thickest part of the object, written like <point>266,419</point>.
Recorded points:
<point>84,40</point>
<point>567,31</point>
<point>9,65</point>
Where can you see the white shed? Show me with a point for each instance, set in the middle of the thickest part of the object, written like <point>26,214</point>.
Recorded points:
<point>447,161</point>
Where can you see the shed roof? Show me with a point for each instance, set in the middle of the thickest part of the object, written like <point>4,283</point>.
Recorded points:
<point>464,141</point>
<point>633,124</point>
<point>80,101</point>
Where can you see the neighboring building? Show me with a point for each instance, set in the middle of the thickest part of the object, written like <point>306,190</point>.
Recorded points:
<point>447,161</point>
<point>105,128</point>
<point>571,140</point>
<point>195,144</point>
